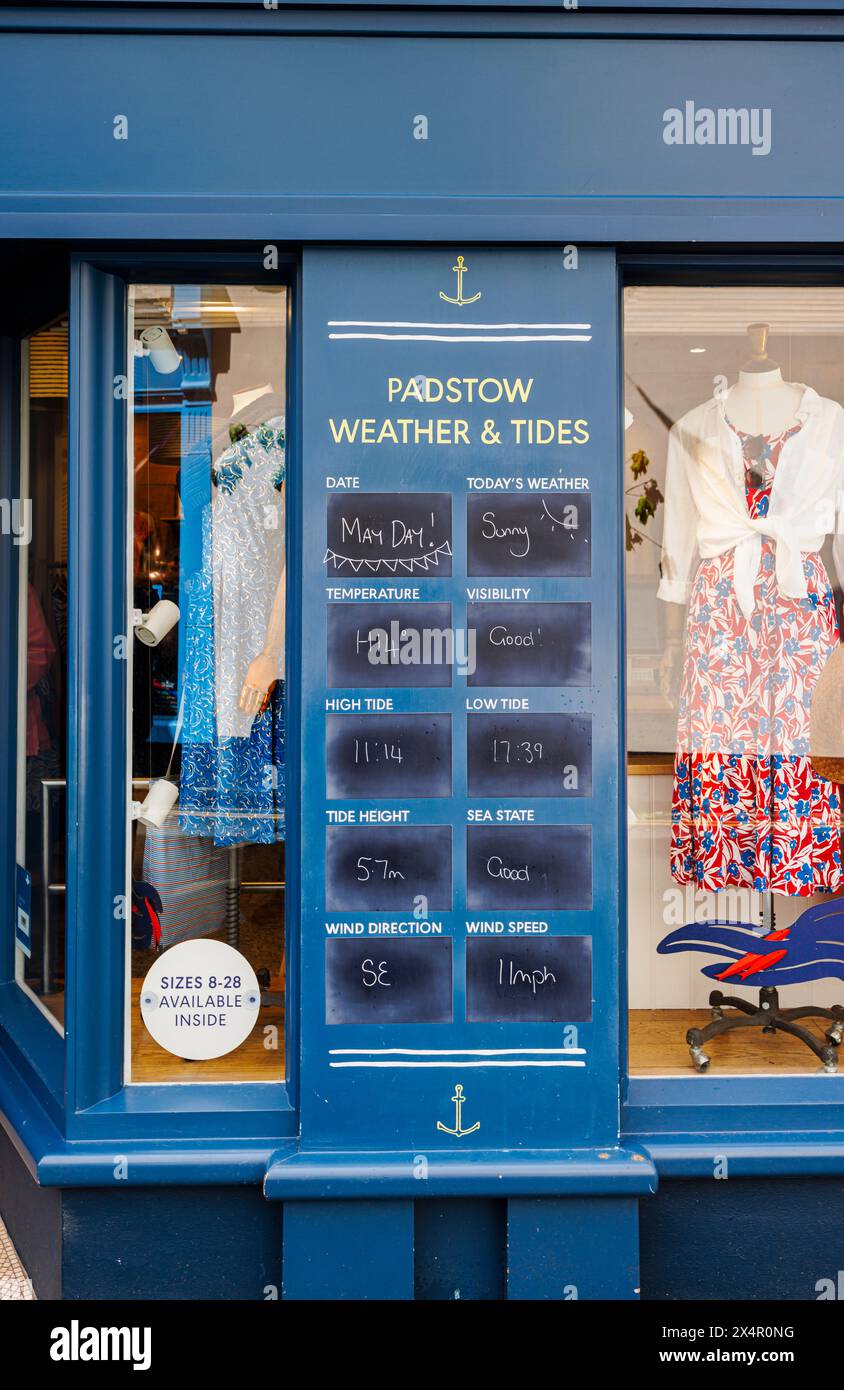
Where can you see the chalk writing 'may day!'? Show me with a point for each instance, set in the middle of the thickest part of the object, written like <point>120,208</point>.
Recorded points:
<point>389,533</point>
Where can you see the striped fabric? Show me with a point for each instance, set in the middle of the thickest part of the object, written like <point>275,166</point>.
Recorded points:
<point>190,875</point>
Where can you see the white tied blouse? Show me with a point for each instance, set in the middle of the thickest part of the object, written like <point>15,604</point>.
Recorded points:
<point>706,510</point>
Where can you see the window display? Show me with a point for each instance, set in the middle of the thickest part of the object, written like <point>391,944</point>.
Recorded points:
<point>208,729</point>
<point>748,504</point>
<point>40,531</point>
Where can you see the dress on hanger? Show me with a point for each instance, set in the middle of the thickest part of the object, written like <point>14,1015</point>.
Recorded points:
<point>748,809</point>
<point>232,785</point>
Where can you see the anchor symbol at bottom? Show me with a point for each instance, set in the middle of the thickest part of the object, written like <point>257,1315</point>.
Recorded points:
<point>458,1131</point>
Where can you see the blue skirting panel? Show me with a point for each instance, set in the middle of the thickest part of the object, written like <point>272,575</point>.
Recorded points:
<point>573,1248</point>
<point>170,1243</point>
<point>461,1249</point>
<point>738,1238</point>
<point>348,1250</point>
<point>33,1218</point>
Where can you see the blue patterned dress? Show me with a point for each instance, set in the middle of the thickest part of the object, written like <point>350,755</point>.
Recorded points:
<point>232,775</point>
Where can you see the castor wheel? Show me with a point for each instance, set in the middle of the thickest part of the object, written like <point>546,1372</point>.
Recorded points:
<point>829,1057</point>
<point>835,1033</point>
<point>263,977</point>
<point>699,1058</point>
<point>716,999</point>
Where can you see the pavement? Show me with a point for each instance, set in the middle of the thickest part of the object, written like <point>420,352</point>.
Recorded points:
<point>14,1281</point>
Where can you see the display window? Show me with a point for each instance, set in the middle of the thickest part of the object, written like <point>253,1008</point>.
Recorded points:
<point>38,522</point>
<point>733,488</point>
<point>207,594</point>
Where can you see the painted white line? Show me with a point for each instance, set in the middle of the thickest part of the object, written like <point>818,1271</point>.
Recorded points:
<point>456,1051</point>
<point>457,1064</point>
<point>480,338</point>
<point>444,327</point>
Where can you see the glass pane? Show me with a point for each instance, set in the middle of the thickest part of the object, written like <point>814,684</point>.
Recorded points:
<point>208,590</point>
<point>734,454</point>
<point>42,669</point>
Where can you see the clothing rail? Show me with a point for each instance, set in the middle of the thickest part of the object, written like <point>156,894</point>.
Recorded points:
<point>234,886</point>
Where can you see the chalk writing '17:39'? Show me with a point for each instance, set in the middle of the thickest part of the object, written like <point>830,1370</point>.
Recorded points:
<point>503,750</point>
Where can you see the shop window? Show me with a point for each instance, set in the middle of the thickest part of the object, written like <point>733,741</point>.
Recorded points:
<point>207,592</point>
<point>733,484</point>
<point>41,534</point>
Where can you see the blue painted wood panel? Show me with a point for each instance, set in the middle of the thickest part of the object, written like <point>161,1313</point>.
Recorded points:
<point>313,116</point>
<point>374,324</point>
<point>572,1248</point>
<point>348,1250</point>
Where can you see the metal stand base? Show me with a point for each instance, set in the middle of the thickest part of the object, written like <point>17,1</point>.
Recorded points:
<point>768,1016</point>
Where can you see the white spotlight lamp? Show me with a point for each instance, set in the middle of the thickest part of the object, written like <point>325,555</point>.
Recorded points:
<point>152,627</point>
<point>157,344</point>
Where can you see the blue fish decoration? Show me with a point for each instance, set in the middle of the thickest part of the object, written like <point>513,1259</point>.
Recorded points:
<point>812,948</point>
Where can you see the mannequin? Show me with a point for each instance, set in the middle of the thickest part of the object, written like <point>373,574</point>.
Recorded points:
<point>263,671</point>
<point>761,402</point>
<point>751,485</point>
<point>232,776</point>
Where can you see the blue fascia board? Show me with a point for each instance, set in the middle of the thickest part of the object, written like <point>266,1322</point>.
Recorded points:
<point>314,1175</point>
<point>643,219</point>
<point>500,18</point>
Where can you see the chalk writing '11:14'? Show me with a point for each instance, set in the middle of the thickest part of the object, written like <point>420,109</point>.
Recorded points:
<point>375,751</point>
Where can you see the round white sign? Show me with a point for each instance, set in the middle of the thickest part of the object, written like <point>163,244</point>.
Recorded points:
<point>200,999</point>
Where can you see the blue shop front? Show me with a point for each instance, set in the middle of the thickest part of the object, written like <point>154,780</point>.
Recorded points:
<point>421,477</point>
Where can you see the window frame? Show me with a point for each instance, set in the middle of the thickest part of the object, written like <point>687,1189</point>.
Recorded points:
<point>34,1044</point>
<point>659,1110</point>
<point>98,1100</point>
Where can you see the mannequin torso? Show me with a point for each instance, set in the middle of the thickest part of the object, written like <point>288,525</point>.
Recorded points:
<point>762,403</point>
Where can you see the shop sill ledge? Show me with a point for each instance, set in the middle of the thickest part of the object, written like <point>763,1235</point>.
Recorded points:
<point>128,1161</point>
<point>57,1162</point>
<point>311,1175</point>
<point>780,1156</point>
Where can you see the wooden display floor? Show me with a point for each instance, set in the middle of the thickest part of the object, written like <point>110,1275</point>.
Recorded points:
<point>658,1047</point>
<point>252,1061</point>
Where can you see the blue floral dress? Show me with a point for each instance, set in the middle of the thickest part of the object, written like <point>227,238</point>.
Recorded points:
<point>748,809</point>
<point>232,784</point>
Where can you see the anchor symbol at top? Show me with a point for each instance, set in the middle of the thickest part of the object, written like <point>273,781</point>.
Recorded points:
<point>460,271</point>
<point>458,1131</point>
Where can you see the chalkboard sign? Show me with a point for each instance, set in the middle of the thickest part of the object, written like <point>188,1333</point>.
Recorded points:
<point>389,533</point>
<point>378,755</point>
<point>528,866</point>
<point>529,534</point>
<point>386,868</point>
<point>373,980</point>
<point>528,644</point>
<point>530,754</point>
<point>541,979</point>
<point>389,645</point>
